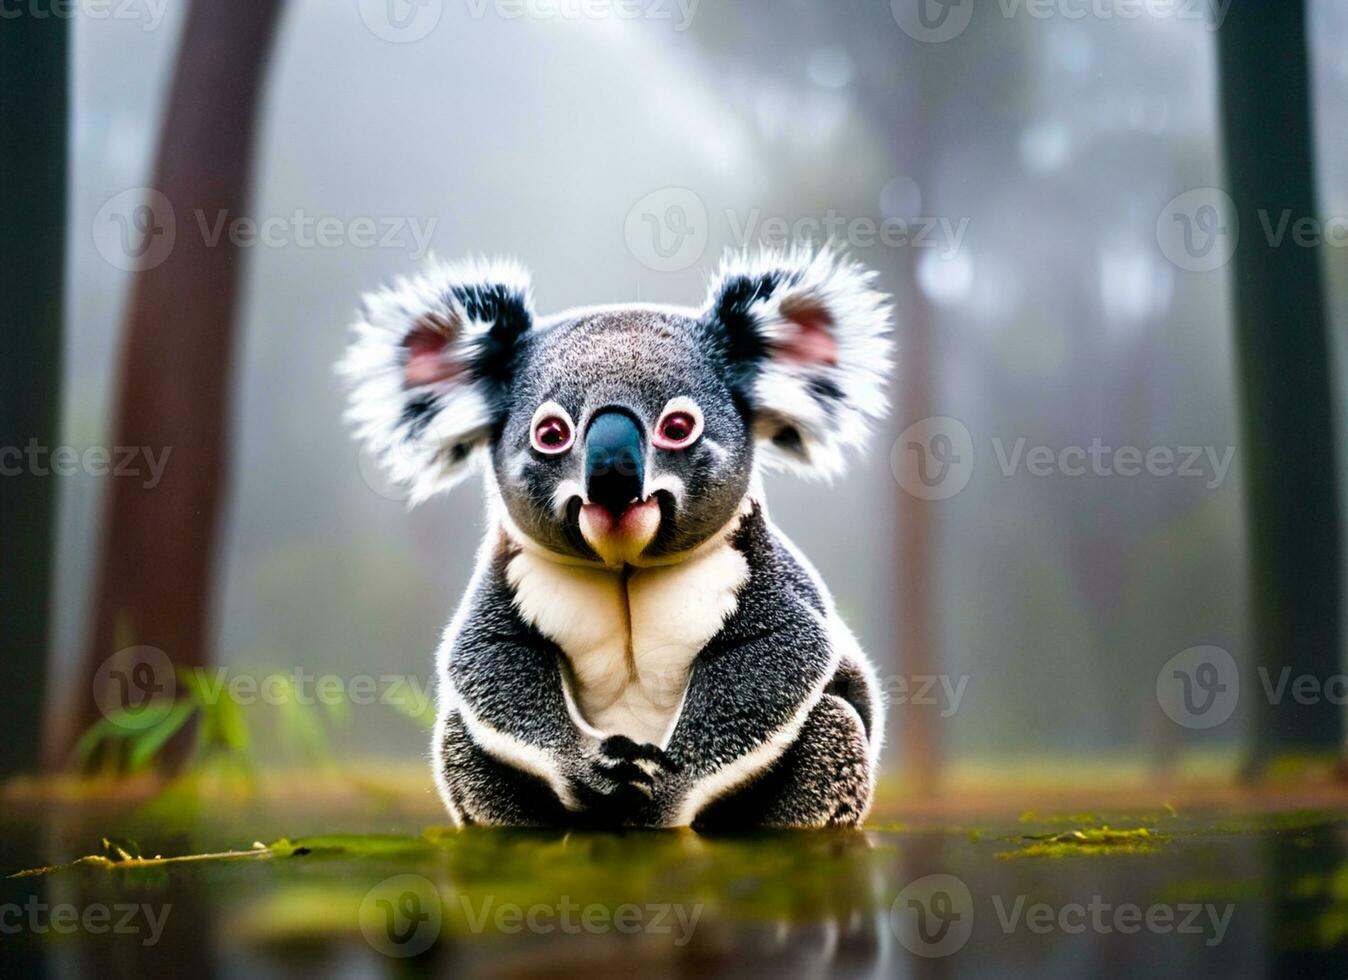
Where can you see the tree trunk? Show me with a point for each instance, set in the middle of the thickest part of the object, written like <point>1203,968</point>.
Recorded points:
<point>158,557</point>
<point>33,104</point>
<point>1284,365</point>
<point>918,356</point>
<point>918,651</point>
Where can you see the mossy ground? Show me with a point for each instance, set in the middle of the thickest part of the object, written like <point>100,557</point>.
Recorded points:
<point>295,871</point>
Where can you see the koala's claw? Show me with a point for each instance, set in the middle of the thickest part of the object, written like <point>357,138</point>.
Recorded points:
<point>623,748</point>
<point>618,779</point>
<point>627,772</point>
<point>610,798</point>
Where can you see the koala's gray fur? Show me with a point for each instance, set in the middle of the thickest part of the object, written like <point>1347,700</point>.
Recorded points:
<point>668,659</point>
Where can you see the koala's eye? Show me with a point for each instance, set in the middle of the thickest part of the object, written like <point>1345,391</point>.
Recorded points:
<point>677,428</point>
<point>680,425</point>
<point>552,432</point>
<point>552,435</point>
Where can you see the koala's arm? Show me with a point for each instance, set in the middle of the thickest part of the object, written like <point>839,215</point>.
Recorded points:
<point>510,748</point>
<point>766,685</point>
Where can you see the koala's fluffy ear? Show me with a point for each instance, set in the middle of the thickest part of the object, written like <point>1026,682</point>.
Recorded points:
<point>429,368</point>
<point>806,339</point>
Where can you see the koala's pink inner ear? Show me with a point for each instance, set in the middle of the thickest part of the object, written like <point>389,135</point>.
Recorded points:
<point>427,346</point>
<point>812,340</point>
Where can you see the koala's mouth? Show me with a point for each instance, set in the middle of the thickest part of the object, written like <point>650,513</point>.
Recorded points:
<point>618,539</point>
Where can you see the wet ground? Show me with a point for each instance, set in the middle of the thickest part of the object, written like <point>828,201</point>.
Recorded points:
<point>1153,892</point>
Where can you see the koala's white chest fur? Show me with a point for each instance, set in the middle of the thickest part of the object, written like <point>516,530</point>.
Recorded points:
<point>631,640</point>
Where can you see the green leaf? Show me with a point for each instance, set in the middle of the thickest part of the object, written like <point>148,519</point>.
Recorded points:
<point>148,743</point>
<point>419,709</point>
<point>118,725</point>
<point>232,726</point>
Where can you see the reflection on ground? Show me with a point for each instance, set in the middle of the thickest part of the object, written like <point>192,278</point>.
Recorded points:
<point>1155,891</point>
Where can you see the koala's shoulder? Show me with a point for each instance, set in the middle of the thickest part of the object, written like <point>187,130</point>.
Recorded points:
<point>777,566</point>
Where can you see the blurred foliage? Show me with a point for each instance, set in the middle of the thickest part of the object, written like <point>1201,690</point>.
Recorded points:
<point>287,726</point>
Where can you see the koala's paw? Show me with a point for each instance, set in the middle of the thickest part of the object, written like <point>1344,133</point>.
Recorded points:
<point>644,756</point>
<point>618,779</point>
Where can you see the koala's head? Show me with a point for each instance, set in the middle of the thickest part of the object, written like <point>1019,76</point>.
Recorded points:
<point>623,434</point>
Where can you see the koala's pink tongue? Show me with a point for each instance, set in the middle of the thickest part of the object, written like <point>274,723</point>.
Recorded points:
<point>596,523</point>
<point>640,521</point>
<point>623,540</point>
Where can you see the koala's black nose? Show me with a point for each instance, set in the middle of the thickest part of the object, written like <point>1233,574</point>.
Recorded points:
<point>615,468</point>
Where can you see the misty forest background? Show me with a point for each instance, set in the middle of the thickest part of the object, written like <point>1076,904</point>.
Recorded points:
<point>271,544</point>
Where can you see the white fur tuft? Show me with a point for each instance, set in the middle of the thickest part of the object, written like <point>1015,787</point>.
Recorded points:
<point>442,452</point>
<point>782,394</point>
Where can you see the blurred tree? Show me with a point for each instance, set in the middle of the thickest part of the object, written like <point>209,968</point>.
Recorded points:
<point>917,396</point>
<point>158,558</point>
<point>1284,367</point>
<point>33,103</point>
<point>919,652</point>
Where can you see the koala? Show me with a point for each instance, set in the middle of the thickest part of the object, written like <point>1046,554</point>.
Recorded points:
<point>639,645</point>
